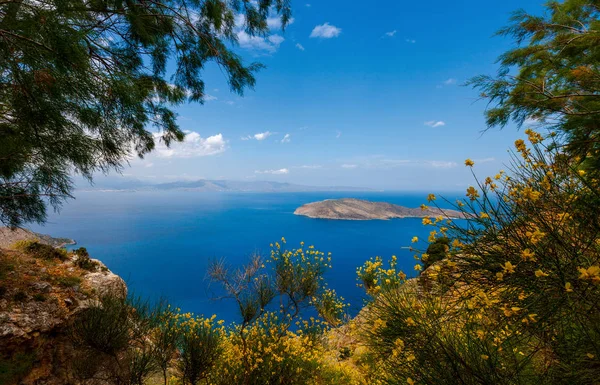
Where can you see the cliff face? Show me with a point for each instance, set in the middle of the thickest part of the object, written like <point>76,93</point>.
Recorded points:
<point>40,297</point>
<point>358,209</point>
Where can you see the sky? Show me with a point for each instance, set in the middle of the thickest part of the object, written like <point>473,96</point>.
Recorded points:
<point>354,93</point>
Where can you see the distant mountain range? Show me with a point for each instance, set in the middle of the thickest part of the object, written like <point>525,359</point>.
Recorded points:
<point>206,185</point>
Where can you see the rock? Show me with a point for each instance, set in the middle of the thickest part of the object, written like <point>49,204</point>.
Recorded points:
<point>104,282</point>
<point>42,287</point>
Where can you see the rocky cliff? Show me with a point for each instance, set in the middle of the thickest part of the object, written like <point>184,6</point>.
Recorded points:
<point>42,291</point>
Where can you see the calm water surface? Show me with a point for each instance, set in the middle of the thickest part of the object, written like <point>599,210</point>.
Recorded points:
<point>161,242</point>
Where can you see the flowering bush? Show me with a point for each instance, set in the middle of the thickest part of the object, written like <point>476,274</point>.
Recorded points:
<point>522,306</point>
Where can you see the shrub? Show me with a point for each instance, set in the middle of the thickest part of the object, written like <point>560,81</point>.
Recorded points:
<point>83,260</point>
<point>68,281</point>
<point>199,347</point>
<point>436,251</point>
<point>113,339</point>
<point>41,250</point>
<point>521,285</point>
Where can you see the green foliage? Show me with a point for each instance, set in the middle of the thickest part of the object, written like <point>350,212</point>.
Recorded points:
<point>84,82</point>
<point>436,251</point>
<point>552,76</point>
<point>263,349</point>
<point>41,250</point>
<point>113,341</point>
<point>199,347</point>
<point>68,281</point>
<point>83,260</point>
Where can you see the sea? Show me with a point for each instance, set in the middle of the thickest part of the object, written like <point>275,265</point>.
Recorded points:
<point>161,242</point>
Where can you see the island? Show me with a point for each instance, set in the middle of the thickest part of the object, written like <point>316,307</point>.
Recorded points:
<point>363,210</point>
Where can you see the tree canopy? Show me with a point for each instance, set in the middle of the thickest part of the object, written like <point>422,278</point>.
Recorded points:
<point>552,77</point>
<point>84,85</point>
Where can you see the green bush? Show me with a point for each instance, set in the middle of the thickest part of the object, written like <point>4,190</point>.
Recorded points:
<point>41,250</point>
<point>436,251</point>
<point>84,261</point>
<point>68,281</point>
<point>199,349</point>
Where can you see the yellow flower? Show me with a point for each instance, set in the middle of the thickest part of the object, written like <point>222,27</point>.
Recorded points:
<point>568,287</point>
<point>533,136</point>
<point>485,356</point>
<point>472,193</point>
<point>508,267</point>
<point>418,267</point>
<point>592,273</point>
<point>415,239</point>
<point>590,355</point>
<point>426,221</point>
<point>540,274</point>
<point>430,197</point>
<point>410,322</point>
<point>424,207</point>
<point>528,255</point>
<point>410,381</point>
<point>469,163</point>
<point>483,215</point>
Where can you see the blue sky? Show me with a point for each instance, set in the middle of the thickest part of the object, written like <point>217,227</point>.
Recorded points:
<point>354,93</point>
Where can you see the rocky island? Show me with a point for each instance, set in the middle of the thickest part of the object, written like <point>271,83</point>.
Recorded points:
<point>363,210</point>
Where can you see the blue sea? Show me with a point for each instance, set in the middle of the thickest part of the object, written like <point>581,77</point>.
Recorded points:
<point>161,242</point>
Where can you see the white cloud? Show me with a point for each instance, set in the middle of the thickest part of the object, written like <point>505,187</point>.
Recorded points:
<point>230,102</point>
<point>300,46</point>
<point>307,5</point>
<point>275,22</point>
<point>257,43</point>
<point>411,41</point>
<point>192,146</point>
<point>435,123</point>
<point>391,33</point>
<point>484,160</point>
<point>209,98</point>
<point>325,31</point>
<point>281,171</point>
<point>262,135</point>
<point>148,165</point>
<point>450,81</point>
<point>286,139</point>
<point>440,164</point>
<point>311,166</point>
<point>349,166</point>
<point>338,134</point>
<point>259,136</point>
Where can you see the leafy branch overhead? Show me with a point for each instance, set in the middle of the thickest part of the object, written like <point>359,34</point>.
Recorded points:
<point>552,77</point>
<point>84,83</point>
